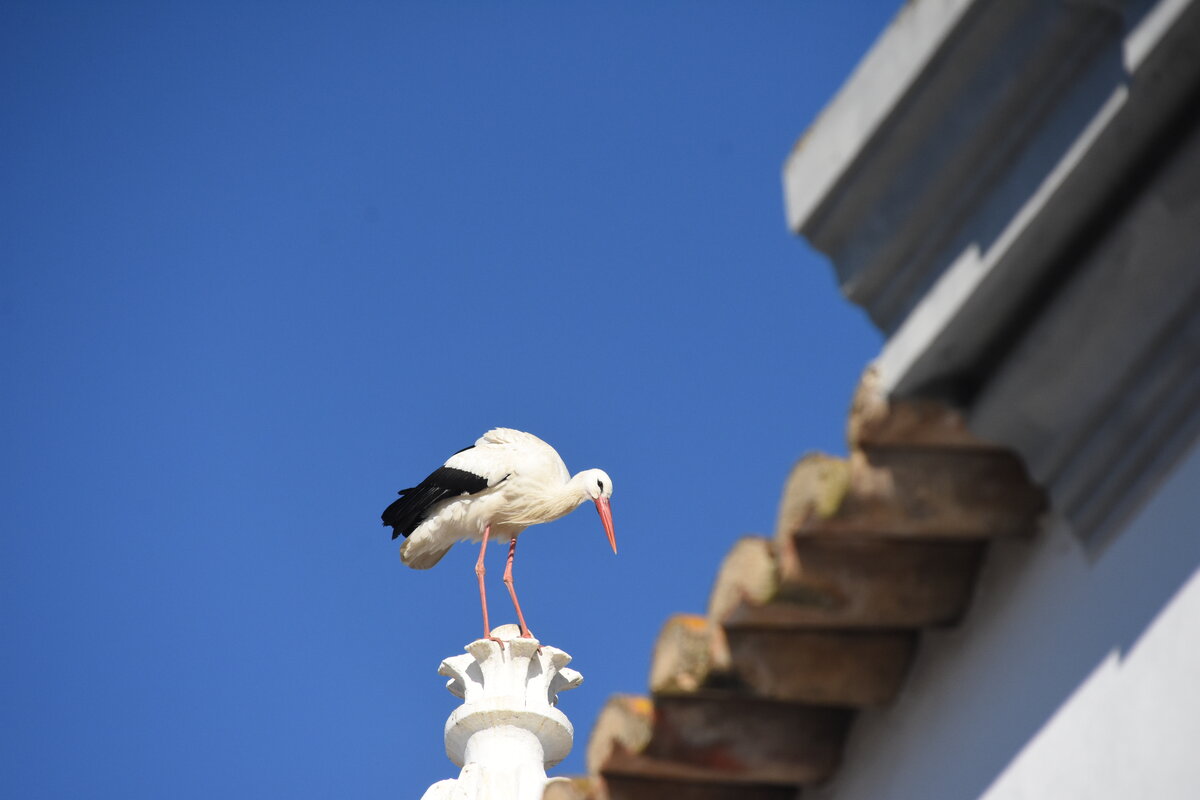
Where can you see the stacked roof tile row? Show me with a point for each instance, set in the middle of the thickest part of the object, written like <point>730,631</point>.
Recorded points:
<point>755,699</point>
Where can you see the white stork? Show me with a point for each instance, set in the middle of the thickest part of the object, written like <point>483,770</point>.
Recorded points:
<point>505,482</point>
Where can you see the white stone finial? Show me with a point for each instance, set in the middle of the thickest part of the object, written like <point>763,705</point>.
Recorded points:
<point>507,731</point>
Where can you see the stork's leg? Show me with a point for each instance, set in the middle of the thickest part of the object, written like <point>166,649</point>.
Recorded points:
<point>512,592</point>
<point>480,571</point>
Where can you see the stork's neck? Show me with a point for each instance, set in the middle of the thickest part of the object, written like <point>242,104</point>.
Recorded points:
<point>550,503</point>
<point>577,487</point>
<point>572,494</point>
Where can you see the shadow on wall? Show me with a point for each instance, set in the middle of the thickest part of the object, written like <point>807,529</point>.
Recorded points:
<point>1044,619</point>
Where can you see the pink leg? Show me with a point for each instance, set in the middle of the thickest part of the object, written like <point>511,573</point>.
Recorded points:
<point>512,592</point>
<point>480,571</point>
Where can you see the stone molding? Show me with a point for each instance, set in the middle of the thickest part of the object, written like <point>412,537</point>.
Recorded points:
<point>508,730</point>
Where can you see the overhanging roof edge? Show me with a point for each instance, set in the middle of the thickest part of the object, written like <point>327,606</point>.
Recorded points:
<point>832,143</point>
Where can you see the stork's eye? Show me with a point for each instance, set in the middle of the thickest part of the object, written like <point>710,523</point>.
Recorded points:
<point>601,485</point>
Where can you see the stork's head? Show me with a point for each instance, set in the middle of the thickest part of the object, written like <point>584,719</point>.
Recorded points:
<point>599,489</point>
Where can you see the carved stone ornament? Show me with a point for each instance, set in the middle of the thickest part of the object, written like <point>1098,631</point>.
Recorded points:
<point>507,731</point>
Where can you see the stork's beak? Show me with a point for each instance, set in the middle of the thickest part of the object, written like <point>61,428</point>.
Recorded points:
<point>605,510</point>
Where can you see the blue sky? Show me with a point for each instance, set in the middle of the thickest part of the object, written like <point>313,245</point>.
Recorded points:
<point>266,263</point>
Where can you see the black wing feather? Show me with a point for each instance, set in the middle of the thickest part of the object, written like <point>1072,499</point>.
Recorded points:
<point>416,504</point>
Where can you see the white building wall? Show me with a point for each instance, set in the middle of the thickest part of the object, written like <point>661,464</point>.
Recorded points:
<point>1074,675</point>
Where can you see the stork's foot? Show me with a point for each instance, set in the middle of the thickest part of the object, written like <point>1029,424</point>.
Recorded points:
<point>491,638</point>
<point>528,634</point>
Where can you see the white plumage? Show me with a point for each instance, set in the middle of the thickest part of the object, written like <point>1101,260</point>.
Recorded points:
<point>507,481</point>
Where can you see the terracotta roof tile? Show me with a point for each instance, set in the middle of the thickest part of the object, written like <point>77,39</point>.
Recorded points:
<point>755,699</point>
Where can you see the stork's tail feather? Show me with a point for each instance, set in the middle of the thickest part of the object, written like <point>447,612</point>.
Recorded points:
<point>415,505</point>
<point>422,552</point>
<point>403,515</point>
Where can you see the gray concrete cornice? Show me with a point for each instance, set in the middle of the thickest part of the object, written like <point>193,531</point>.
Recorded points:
<point>1011,190</point>
<point>940,136</point>
<point>827,150</point>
